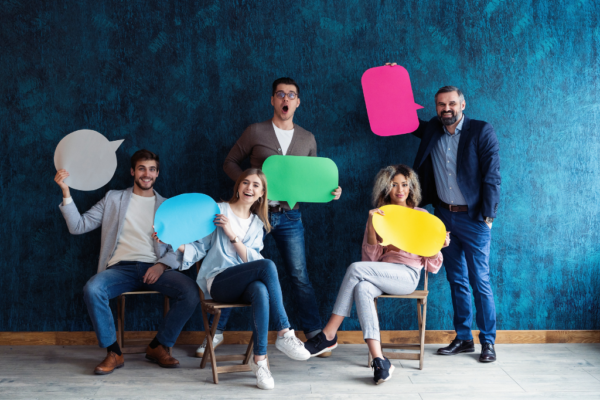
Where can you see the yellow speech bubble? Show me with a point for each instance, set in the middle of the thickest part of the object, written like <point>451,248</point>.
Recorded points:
<point>410,230</point>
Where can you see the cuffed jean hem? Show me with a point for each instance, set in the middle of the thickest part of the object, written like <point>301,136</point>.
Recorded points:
<point>372,334</point>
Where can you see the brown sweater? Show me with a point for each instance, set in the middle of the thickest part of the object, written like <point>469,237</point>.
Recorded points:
<point>260,142</point>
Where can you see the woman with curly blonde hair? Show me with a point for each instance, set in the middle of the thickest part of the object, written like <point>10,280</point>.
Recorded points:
<point>383,269</point>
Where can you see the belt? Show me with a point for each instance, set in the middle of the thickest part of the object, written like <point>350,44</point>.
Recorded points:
<point>275,209</point>
<point>454,208</point>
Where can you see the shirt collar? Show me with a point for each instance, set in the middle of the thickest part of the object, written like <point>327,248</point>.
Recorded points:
<point>458,127</point>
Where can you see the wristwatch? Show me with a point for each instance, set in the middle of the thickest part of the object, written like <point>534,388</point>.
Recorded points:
<point>488,220</point>
<point>235,240</point>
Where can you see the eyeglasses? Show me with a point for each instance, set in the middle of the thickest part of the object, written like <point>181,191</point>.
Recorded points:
<point>281,95</point>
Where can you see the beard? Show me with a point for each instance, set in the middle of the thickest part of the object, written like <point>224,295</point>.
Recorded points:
<point>449,121</point>
<point>140,184</point>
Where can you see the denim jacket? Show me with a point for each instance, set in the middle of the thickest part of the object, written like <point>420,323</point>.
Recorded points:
<point>219,253</point>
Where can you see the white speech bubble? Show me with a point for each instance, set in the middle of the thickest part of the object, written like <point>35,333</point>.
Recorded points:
<point>88,157</point>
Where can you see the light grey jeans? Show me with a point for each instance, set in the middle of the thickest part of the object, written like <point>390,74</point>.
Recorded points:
<point>366,280</point>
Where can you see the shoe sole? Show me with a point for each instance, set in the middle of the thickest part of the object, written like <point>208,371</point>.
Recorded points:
<point>325,350</point>
<point>154,360</point>
<point>200,355</point>
<point>458,352</point>
<point>486,361</point>
<point>108,372</point>
<point>392,368</point>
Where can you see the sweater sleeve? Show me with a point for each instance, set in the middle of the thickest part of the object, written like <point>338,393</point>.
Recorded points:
<point>238,153</point>
<point>433,264</point>
<point>371,252</point>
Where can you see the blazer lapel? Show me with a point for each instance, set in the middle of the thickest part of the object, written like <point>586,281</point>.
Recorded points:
<point>464,138</point>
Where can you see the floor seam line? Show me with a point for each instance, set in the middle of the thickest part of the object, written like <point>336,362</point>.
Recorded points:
<point>506,372</point>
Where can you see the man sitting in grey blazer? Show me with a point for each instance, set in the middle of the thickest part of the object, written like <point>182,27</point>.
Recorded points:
<point>131,260</point>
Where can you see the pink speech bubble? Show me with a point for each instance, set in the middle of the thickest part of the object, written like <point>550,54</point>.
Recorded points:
<point>390,102</point>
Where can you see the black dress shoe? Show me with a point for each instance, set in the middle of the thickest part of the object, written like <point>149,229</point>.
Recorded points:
<point>457,346</point>
<point>488,353</point>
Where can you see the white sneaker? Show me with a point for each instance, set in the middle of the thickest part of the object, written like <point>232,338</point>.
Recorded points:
<point>217,341</point>
<point>292,347</point>
<point>264,379</point>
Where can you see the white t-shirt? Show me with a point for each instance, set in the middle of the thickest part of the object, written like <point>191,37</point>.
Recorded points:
<point>135,242</point>
<point>240,227</point>
<point>285,138</point>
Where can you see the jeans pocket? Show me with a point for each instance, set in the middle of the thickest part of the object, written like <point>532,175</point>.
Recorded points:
<point>293,215</point>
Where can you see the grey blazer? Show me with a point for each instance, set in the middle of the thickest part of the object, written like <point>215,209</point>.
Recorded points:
<point>110,213</point>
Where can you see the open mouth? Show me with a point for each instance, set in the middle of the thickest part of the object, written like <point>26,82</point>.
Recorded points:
<point>285,109</point>
<point>248,195</point>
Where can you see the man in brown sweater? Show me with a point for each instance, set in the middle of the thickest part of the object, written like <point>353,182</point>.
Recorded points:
<point>280,136</point>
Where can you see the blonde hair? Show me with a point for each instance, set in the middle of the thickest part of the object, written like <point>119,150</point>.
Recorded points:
<point>383,185</point>
<point>260,206</point>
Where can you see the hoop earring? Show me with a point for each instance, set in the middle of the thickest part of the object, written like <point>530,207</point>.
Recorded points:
<point>259,200</point>
<point>238,195</point>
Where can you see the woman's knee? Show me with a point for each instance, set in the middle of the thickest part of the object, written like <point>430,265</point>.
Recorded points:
<point>269,267</point>
<point>354,269</point>
<point>364,288</point>
<point>258,292</point>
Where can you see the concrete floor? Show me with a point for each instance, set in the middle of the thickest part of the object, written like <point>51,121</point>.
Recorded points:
<point>547,371</point>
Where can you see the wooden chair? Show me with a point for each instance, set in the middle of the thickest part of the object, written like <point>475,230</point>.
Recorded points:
<point>421,296</point>
<point>133,346</point>
<point>214,308</point>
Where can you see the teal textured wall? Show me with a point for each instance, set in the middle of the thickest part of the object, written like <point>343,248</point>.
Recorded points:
<point>185,78</point>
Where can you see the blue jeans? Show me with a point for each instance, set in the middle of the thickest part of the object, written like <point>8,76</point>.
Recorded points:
<point>288,232</point>
<point>126,276</point>
<point>256,283</point>
<point>467,263</point>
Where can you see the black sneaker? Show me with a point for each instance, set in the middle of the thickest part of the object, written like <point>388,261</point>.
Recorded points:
<point>319,344</point>
<point>382,369</point>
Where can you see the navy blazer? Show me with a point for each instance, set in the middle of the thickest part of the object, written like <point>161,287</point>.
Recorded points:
<point>477,165</point>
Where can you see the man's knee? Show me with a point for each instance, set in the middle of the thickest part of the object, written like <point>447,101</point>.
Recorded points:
<point>354,269</point>
<point>93,289</point>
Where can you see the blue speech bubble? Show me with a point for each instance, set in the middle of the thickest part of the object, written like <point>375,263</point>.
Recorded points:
<point>185,218</point>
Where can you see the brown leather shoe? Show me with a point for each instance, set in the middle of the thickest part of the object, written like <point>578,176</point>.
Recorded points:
<point>110,363</point>
<point>161,356</point>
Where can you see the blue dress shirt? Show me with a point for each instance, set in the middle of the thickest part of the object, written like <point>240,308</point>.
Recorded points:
<point>444,167</point>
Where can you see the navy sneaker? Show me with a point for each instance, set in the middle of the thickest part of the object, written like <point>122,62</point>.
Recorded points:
<point>382,369</point>
<point>319,344</point>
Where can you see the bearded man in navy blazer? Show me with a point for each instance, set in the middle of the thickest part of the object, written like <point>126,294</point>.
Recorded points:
<point>459,169</point>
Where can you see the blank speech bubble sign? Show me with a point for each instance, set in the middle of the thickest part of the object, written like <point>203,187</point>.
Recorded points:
<point>390,102</point>
<point>300,179</point>
<point>185,218</point>
<point>88,157</point>
<point>413,231</point>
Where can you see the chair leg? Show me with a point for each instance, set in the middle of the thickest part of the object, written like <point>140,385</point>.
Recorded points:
<point>207,332</point>
<point>210,348</point>
<point>422,332</point>
<point>121,321</point>
<point>249,350</point>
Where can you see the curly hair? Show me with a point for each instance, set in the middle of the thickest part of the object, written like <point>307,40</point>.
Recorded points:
<point>383,185</point>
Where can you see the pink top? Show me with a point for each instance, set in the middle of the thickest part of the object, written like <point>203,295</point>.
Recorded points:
<point>377,252</point>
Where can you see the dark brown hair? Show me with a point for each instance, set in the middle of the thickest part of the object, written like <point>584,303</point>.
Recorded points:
<point>144,155</point>
<point>285,81</point>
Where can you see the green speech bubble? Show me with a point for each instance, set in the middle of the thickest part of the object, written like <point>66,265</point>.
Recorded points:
<point>300,179</point>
